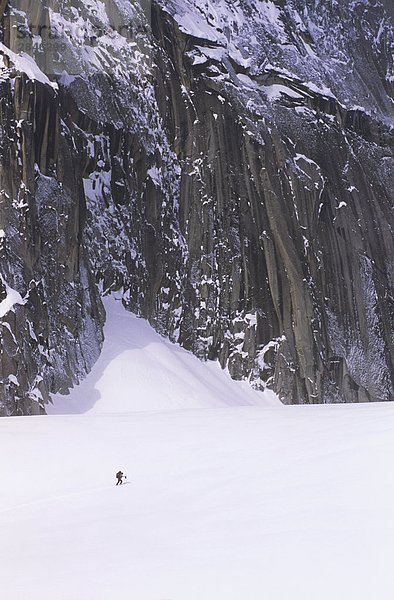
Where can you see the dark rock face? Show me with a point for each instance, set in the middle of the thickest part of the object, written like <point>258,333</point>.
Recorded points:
<point>54,337</point>
<point>229,169</point>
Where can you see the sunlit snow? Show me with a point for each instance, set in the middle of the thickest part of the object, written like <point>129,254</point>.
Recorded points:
<point>229,494</point>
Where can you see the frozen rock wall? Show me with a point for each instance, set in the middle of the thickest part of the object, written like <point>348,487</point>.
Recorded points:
<point>226,165</point>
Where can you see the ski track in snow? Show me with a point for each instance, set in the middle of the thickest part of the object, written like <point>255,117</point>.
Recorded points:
<point>237,499</point>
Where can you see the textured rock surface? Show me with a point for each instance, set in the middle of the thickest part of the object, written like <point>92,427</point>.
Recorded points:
<point>227,165</point>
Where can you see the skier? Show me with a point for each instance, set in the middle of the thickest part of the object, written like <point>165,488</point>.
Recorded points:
<point>119,477</point>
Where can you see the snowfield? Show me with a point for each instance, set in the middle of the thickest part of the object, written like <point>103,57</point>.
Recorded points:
<point>229,496</point>
<point>138,370</point>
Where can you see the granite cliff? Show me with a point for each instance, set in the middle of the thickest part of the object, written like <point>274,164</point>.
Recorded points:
<point>226,166</point>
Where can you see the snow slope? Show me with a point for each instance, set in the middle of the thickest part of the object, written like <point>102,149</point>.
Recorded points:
<point>140,370</point>
<point>244,502</point>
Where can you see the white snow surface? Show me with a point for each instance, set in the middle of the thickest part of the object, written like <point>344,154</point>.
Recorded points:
<point>12,297</point>
<point>227,498</point>
<point>139,370</point>
<point>26,64</point>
